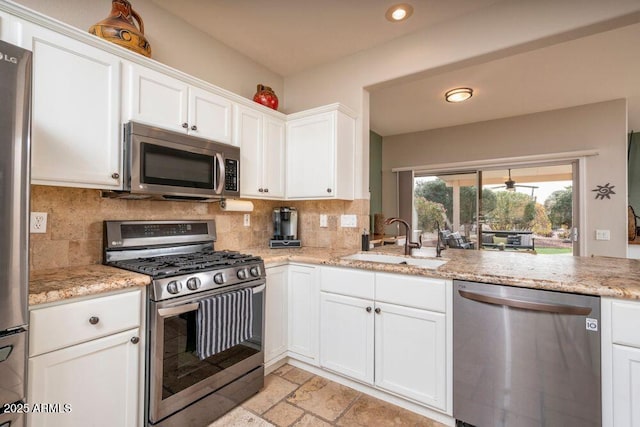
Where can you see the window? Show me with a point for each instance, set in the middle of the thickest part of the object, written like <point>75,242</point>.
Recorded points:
<point>521,208</point>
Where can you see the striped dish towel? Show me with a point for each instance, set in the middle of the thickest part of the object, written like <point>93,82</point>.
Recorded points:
<point>223,321</point>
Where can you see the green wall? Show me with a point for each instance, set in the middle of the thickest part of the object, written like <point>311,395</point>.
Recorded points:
<point>375,175</point>
<point>634,172</point>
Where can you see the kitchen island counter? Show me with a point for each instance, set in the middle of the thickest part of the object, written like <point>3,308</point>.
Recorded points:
<point>603,276</point>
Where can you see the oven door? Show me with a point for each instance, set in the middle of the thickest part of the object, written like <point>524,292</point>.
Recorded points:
<point>177,377</point>
<point>174,169</point>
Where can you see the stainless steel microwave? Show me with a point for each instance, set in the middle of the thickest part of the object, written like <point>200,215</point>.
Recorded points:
<point>173,166</point>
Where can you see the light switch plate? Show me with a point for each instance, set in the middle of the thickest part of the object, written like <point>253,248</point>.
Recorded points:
<point>323,221</point>
<point>348,221</point>
<point>247,220</point>
<point>603,235</point>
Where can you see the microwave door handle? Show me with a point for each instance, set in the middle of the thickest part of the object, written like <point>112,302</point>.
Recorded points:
<point>220,161</point>
<point>174,311</point>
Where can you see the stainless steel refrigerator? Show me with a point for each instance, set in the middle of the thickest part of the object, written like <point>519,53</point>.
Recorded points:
<point>15,96</point>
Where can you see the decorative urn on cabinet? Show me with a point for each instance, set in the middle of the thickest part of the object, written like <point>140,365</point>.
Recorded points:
<point>119,28</point>
<point>266,96</point>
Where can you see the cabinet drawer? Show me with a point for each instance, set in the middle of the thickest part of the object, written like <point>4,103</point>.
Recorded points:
<point>348,282</point>
<point>67,324</point>
<point>625,320</point>
<point>419,292</point>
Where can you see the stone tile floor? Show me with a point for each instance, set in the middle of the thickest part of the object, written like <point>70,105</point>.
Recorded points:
<point>297,398</point>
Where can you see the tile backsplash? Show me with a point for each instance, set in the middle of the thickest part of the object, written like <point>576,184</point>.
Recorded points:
<point>75,215</point>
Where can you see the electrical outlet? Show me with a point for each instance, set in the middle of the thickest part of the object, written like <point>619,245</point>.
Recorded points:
<point>38,223</point>
<point>603,235</point>
<point>323,221</point>
<point>349,221</point>
<point>247,220</point>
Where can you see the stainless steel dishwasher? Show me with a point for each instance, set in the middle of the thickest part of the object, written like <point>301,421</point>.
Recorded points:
<point>525,357</point>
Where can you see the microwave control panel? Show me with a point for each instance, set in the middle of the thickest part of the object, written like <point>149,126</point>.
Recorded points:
<point>231,175</point>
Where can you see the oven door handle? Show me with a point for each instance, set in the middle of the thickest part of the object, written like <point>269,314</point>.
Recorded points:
<point>173,311</point>
<point>258,289</point>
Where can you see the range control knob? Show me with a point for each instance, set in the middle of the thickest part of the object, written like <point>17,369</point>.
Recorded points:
<point>193,283</point>
<point>218,278</point>
<point>174,287</point>
<point>242,274</point>
<point>254,271</point>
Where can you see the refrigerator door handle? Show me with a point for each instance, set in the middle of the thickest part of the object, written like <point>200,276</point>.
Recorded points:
<point>526,305</point>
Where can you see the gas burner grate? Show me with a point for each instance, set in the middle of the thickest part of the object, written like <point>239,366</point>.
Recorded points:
<point>168,265</point>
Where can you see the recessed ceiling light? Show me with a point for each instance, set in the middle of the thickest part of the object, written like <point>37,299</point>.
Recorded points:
<point>458,94</point>
<point>399,12</point>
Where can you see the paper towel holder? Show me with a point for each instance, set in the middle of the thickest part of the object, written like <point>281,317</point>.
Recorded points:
<point>236,205</point>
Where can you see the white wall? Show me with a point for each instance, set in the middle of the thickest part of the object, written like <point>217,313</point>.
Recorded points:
<point>173,42</point>
<point>505,28</point>
<point>601,126</point>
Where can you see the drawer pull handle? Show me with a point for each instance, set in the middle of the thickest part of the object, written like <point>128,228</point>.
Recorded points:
<point>94,320</point>
<point>135,340</point>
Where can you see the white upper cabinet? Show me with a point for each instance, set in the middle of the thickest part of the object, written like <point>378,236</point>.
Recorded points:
<point>161,100</point>
<point>321,154</point>
<point>76,111</point>
<point>261,138</point>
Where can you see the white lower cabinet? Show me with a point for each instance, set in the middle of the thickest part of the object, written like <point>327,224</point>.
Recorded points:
<point>626,386</point>
<point>95,383</point>
<point>387,330</point>
<point>410,356</point>
<point>303,300</point>
<point>276,310</point>
<point>85,359</point>
<point>620,363</point>
<point>346,336</point>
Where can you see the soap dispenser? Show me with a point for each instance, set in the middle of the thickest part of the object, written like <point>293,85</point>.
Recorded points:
<point>365,240</point>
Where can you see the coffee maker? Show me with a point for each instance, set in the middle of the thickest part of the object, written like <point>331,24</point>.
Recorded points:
<point>285,228</point>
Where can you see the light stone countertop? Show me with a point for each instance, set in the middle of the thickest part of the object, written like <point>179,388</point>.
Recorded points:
<point>613,277</point>
<point>62,283</point>
<point>604,276</point>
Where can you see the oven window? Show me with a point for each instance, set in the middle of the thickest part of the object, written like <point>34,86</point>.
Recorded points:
<point>168,166</point>
<point>182,368</point>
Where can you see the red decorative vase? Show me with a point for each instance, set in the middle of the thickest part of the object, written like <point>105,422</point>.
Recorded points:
<point>266,96</point>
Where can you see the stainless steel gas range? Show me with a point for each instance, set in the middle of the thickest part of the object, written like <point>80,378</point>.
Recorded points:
<point>205,318</point>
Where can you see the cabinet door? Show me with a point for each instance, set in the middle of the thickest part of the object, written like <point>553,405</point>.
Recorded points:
<point>210,116</point>
<point>76,112</point>
<point>273,158</point>
<point>626,386</point>
<point>97,379</point>
<point>249,137</point>
<point>410,353</point>
<point>275,343</point>
<point>303,312</point>
<point>311,157</point>
<point>156,99</point>
<point>346,336</point>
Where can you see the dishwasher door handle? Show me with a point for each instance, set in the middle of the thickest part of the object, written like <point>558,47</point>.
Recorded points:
<point>526,305</point>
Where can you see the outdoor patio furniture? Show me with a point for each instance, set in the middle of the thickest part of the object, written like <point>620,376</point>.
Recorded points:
<point>511,239</point>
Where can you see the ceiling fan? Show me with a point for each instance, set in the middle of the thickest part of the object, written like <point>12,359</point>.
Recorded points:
<point>510,185</point>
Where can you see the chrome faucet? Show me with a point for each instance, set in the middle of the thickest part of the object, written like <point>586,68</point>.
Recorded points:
<point>439,243</point>
<point>407,244</point>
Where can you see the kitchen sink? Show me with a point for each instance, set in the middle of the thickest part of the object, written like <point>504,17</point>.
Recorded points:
<point>393,259</point>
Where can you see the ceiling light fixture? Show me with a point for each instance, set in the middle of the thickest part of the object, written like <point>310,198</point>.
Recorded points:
<point>399,12</point>
<point>458,94</point>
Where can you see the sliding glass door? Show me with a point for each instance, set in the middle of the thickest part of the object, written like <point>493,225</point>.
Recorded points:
<point>519,208</point>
